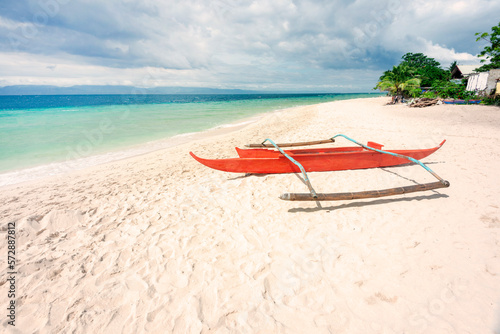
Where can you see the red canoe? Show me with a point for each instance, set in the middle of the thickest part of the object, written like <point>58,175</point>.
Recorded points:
<point>264,161</point>
<point>270,153</point>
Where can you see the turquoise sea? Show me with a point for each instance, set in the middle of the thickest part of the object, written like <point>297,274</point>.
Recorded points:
<point>41,130</point>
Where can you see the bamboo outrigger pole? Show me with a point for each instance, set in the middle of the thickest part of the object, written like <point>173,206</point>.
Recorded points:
<point>364,194</point>
<point>306,143</point>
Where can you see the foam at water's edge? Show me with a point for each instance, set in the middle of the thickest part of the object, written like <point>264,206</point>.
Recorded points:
<point>58,168</point>
<point>75,162</point>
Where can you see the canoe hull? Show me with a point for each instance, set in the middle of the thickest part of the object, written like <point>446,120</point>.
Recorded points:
<point>263,161</point>
<point>271,153</point>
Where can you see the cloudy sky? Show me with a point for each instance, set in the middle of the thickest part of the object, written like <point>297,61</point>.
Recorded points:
<point>281,45</point>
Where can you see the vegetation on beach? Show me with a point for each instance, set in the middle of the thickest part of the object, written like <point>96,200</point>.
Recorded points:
<point>492,100</point>
<point>427,69</point>
<point>450,89</point>
<point>490,52</point>
<point>420,76</point>
<point>400,81</point>
<point>415,73</point>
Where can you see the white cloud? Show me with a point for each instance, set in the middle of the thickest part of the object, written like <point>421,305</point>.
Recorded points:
<point>446,56</point>
<point>282,43</point>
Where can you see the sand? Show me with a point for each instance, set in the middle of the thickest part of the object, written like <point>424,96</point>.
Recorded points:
<point>159,243</point>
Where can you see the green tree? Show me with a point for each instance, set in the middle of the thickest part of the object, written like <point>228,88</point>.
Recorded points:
<point>400,81</point>
<point>419,60</point>
<point>490,52</point>
<point>452,66</point>
<point>427,69</point>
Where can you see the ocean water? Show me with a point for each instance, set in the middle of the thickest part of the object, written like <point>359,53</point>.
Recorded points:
<point>45,130</point>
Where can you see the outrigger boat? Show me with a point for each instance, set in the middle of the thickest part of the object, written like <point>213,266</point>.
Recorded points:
<point>258,159</point>
<point>266,161</point>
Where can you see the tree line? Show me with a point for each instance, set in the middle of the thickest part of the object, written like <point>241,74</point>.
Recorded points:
<point>419,75</point>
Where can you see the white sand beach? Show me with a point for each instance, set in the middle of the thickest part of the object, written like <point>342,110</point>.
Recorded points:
<point>159,243</point>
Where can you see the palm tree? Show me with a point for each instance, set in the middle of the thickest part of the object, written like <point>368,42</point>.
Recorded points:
<point>399,81</point>
<point>452,66</point>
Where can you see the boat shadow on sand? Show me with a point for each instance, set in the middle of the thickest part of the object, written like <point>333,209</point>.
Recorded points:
<point>365,202</point>
<point>362,202</point>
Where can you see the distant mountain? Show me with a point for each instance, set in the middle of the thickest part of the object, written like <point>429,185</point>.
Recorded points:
<point>75,90</point>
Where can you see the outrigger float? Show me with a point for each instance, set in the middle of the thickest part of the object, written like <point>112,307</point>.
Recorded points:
<point>259,159</point>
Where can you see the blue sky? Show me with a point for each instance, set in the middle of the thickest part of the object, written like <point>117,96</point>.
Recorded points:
<point>280,45</point>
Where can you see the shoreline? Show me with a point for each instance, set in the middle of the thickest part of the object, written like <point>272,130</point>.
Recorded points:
<point>104,138</point>
<point>68,166</point>
<point>23,175</point>
<point>159,242</point>
<point>39,172</point>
